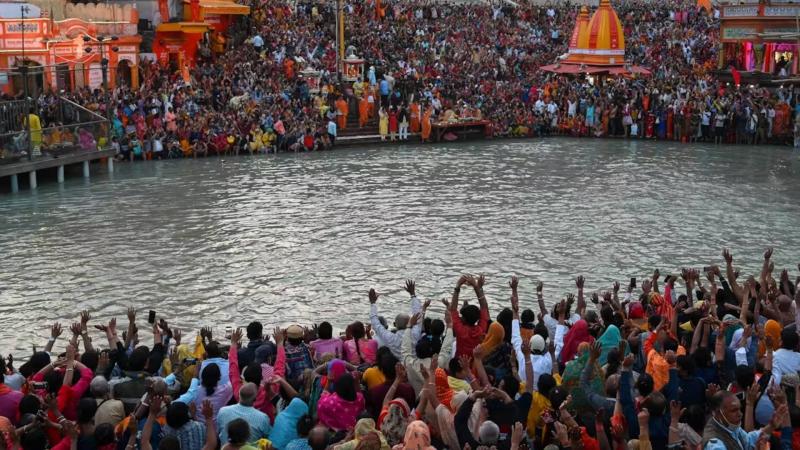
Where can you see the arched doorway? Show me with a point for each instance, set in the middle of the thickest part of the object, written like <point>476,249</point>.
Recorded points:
<point>123,73</point>
<point>34,79</point>
<point>63,77</point>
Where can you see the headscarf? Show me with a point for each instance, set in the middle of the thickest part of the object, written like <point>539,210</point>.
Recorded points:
<point>608,341</point>
<point>365,432</point>
<point>772,329</point>
<point>418,437</point>
<point>494,337</point>
<point>446,420</point>
<point>733,324</point>
<point>285,428</point>
<point>393,421</point>
<point>443,391</point>
<point>737,338</point>
<point>575,336</point>
<point>572,377</point>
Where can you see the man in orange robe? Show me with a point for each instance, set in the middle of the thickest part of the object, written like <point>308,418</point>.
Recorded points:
<point>363,111</point>
<point>342,111</point>
<point>426,124</point>
<point>414,109</point>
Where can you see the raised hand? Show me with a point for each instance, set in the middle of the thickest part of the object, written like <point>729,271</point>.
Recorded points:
<point>656,274</point>
<point>411,287</point>
<point>131,314</point>
<point>400,372</point>
<point>85,317</point>
<point>278,334</point>
<point>56,330</point>
<point>426,304</point>
<point>540,286</point>
<point>579,282</point>
<point>752,394</point>
<point>75,328</point>
<point>208,410</point>
<point>676,411</point>
<point>526,348</point>
<point>560,434</point>
<point>727,255</point>
<point>155,405</point>
<point>464,279</point>
<point>711,390</point>
<point>480,281</point>
<point>517,435</point>
<point>595,298</point>
<point>616,287</point>
<point>414,319</point>
<point>448,318</point>
<point>236,337</point>
<point>465,361</point>
<point>177,334</point>
<point>768,253</point>
<point>607,297</point>
<point>373,296</point>
<point>514,283</point>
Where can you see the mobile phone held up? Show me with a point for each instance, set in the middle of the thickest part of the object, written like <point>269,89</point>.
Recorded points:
<point>633,283</point>
<point>151,317</point>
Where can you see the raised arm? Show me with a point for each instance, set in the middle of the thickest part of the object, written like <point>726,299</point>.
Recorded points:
<point>477,363</point>
<point>211,428</point>
<point>233,362</point>
<point>579,282</point>
<point>654,279</point>
<point>383,334</point>
<point>55,332</point>
<point>738,291</point>
<point>540,298</point>
<point>416,308</point>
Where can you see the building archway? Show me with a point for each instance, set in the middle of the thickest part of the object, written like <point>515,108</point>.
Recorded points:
<point>34,81</point>
<point>123,73</point>
<point>63,77</point>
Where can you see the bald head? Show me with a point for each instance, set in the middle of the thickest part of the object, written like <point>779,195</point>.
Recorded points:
<point>318,438</point>
<point>159,386</point>
<point>247,394</point>
<point>401,321</point>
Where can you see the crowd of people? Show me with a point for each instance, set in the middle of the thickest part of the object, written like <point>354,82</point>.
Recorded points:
<point>436,61</point>
<point>712,367</point>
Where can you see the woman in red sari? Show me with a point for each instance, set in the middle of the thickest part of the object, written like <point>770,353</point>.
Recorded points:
<point>392,123</point>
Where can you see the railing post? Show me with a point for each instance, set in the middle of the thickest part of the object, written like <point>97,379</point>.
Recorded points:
<point>60,174</point>
<point>14,184</point>
<point>86,169</point>
<point>32,179</point>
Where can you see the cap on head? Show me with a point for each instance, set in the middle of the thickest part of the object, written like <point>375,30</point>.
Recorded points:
<point>537,343</point>
<point>294,332</point>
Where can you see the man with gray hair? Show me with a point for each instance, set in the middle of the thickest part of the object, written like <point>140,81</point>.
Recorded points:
<point>386,338</point>
<point>258,421</point>
<point>109,410</point>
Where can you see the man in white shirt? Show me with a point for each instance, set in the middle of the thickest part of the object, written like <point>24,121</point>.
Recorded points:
<point>540,361</point>
<point>786,359</point>
<point>394,341</point>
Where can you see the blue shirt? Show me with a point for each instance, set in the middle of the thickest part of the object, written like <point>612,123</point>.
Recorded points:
<point>384,87</point>
<point>332,128</point>
<point>258,421</point>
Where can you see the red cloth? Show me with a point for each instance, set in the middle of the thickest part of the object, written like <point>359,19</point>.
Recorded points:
<point>737,77</point>
<point>468,337</point>
<point>578,334</point>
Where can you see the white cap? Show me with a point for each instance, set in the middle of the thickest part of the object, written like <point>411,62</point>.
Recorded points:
<point>537,343</point>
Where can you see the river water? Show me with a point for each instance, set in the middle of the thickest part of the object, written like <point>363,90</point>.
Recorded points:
<point>302,237</point>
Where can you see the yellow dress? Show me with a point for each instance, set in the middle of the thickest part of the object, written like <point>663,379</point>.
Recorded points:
<point>383,124</point>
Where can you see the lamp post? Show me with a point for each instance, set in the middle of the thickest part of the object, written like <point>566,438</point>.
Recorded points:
<point>23,68</point>
<point>102,40</point>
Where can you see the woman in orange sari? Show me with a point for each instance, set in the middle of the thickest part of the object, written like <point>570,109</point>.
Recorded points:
<point>342,111</point>
<point>414,109</point>
<point>426,124</point>
<point>363,112</point>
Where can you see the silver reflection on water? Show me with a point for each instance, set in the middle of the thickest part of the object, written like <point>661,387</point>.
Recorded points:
<point>302,237</point>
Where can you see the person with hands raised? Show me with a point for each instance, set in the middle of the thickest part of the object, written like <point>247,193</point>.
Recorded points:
<point>385,337</point>
<point>470,325</point>
<point>538,359</point>
<point>412,358</point>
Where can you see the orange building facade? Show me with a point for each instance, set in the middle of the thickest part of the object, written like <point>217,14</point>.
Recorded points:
<point>59,58</point>
<point>177,42</point>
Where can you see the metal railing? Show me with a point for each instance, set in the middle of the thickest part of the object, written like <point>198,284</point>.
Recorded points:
<point>73,129</point>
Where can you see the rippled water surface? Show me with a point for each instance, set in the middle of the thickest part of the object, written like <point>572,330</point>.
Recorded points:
<point>302,237</point>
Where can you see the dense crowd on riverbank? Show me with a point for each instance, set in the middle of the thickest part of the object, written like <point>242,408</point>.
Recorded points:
<point>438,62</point>
<point>714,366</point>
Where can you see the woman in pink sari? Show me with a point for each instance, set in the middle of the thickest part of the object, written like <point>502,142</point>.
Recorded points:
<point>339,410</point>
